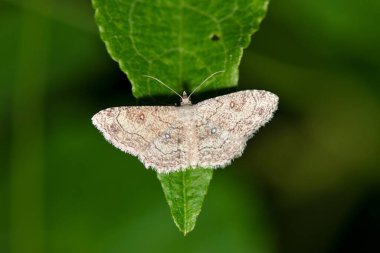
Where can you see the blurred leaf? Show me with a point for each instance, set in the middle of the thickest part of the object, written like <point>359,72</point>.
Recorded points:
<point>180,43</point>
<point>26,185</point>
<point>185,192</point>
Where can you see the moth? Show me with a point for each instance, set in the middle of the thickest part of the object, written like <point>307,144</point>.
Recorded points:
<point>209,134</point>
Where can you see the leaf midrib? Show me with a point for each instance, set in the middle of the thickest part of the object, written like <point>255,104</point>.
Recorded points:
<point>184,190</point>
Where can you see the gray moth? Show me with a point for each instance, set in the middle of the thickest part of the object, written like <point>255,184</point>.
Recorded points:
<point>209,134</point>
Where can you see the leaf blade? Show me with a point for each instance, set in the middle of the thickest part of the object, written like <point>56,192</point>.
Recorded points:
<point>173,40</point>
<point>185,192</point>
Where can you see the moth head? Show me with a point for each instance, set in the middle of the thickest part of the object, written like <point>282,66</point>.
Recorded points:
<point>185,100</point>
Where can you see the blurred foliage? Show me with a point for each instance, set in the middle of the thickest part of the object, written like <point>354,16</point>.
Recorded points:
<point>308,182</point>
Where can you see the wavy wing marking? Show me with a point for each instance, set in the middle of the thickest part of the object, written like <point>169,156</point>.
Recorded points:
<point>224,124</point>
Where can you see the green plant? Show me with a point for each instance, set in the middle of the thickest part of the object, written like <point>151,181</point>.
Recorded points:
<point>181,43</point>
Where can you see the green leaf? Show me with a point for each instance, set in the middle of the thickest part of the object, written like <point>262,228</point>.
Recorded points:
<point>180,42</point>
<point>185,192</point>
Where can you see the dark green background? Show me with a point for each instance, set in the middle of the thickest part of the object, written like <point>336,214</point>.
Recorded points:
<point>308,182</point>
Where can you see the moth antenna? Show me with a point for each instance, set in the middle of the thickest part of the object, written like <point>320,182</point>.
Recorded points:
<point>158,80</point>
<point>213,74</point>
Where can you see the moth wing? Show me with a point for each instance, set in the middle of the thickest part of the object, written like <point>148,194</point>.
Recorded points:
<point>152,133</point>
<point>224,124</point>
